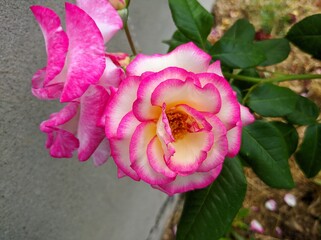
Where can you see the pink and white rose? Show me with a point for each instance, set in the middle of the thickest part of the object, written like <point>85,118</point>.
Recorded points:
<point>174,120</point>
<point>76,57</point>
<point>80,73</point>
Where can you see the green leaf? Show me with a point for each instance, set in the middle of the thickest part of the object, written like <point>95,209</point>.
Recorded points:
<point>241,29</point>
<point>270,100</point>
<point>177,39</point>
<point>191,19</point>
<point>236,49</point>
<point>209,212</point>
<point>289,134</point>
<point>305,113</point>
<point>306,35</point>
<point>309,155</point>
<point>265,150</point>
<point>276,50</point>
<point>237,53</point>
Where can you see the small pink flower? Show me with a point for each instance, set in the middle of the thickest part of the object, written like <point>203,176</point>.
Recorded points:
<point>80,73</point>
<point>173,121</point>
<point>256,226</point>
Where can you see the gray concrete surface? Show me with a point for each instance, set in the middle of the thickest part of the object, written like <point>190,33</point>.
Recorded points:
<point>61,199</point>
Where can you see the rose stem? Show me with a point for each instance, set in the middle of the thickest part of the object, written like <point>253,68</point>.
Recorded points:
<point>275,79</point>
<point>130,40</point>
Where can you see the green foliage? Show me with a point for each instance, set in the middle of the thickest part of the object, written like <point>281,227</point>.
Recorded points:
<point>242,29</point>
<point>289,134</point>
<point>192,20</point>
<point>270,100</point>
<point>236,49</point>
<point>237,53</point>
<point>208,212</point>
<point>276,50</point>
<point>309,155</point>
<point>306,112</point>
<point>266,146</point>
<point>265,150</point>
<point>306,35</point>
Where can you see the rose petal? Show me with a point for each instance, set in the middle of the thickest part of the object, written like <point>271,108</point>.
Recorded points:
<point>86,56</point>
<point>51,91</point>
<point>112,75</point>
<point>229,113</point>
<point>120,173</point>
<point>234,136</point>
<point>120,153</point>
<point>102,122</point>
<point>127,126</point>
<point>187,56</point>
<point>215,67</point>
<point>246,116</point>
<point>256,226</point>
<point>104,15</point>
<point>164,134</point>
<point>290,199</point>
<point>120,59</point>
<point>156,159</point>
<point>271,205</point>
<point>174,92</point>
<point>143,109</point>
<point>90,135</point>
<point>278,231</point>
<point>219,149</point>
<point>190,152</point>
<point>141,138</point>
<point>190,182</point>
<point>56,46</point>
<point>120,104</point>
<point>121,142</point>
<point>102,153</point>
<point>61,128</point>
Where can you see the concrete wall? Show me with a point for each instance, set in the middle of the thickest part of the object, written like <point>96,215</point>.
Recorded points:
<point>61,199</point>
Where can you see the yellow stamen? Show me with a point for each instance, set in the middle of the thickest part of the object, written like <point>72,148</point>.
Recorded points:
<point>178,123</point>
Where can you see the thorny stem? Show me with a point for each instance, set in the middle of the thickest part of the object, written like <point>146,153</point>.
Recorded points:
<point>281,78</point>
<point>130,40</point>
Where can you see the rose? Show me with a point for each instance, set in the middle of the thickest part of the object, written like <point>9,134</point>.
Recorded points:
<point>79,72</point>
<point>173,121</point>
<point>76,58</point>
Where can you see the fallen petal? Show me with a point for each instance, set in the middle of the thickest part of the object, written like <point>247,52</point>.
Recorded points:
<point>278,231</point>
<point>290,199</point>
<point>271,205</point>
<point>256,226</point>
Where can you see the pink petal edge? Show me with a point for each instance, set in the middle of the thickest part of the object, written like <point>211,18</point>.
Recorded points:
<point>187,56</point>
<point>86,56</point>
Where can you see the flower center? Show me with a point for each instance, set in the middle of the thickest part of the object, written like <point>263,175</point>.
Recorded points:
<point>181,123</point>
